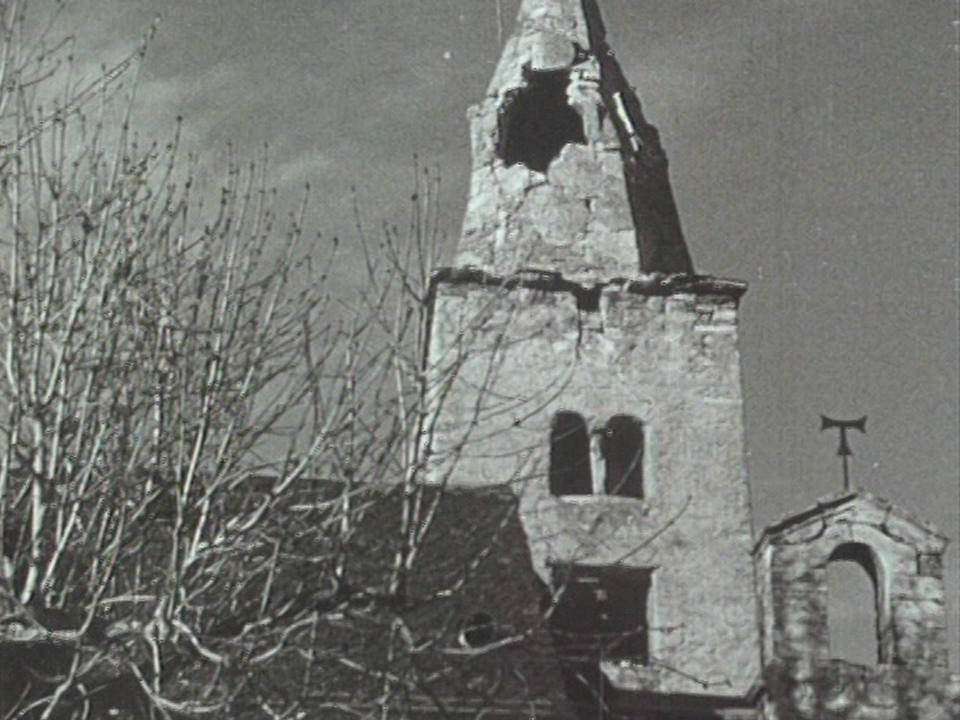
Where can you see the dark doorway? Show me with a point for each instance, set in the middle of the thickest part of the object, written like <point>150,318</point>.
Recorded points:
<point>600,612</point>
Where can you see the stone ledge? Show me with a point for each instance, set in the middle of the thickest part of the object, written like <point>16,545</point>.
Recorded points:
<point>654,284</point>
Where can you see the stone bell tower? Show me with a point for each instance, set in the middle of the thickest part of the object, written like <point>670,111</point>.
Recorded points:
<point>575,355</point>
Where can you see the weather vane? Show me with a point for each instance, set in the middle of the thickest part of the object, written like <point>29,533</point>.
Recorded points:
<point>844,450</point>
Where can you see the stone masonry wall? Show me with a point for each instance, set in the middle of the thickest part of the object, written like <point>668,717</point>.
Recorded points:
<point>516,357</point>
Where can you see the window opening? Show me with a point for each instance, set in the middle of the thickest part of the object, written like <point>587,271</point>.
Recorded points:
<point>601,613</point>
<point>570,455</point>
<point>478,631</point>
<point>622,448</point>
<point>853,605</point>
<point>536,121</point>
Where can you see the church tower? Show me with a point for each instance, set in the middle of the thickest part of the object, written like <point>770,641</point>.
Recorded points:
<point>575,356</point>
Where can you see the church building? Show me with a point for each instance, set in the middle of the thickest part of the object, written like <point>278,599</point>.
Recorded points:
<point>578,362</point>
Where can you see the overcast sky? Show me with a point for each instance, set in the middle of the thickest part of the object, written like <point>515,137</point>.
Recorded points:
<point>814,154</point>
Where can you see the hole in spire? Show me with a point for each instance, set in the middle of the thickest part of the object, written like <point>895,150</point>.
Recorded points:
<point>537,120</point>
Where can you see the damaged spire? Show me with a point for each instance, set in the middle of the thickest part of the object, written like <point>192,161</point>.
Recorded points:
<point>568,176</point>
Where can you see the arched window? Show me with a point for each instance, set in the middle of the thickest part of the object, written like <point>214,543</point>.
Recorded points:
<point>853,609</point>
<point>622,450</point>
<point>570,455</point>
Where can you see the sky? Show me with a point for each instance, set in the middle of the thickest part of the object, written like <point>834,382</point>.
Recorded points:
<point>814,153</point>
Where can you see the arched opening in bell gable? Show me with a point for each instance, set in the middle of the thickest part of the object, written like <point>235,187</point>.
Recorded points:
<point>854,605</point>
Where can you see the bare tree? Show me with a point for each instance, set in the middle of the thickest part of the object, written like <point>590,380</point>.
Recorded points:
<point>177,369</point>
<point>157,350</point>
<point>172,368</point>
